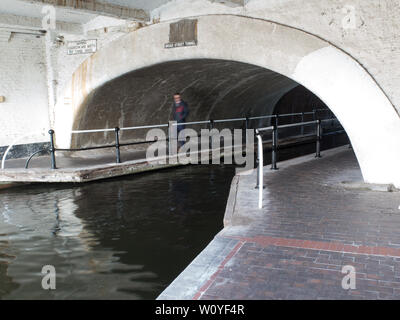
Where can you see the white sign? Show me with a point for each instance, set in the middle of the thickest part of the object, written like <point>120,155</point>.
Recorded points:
<point>180,44</point>
<point>82,47</point>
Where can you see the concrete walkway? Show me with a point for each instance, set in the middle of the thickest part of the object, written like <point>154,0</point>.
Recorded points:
<point>317,217</point>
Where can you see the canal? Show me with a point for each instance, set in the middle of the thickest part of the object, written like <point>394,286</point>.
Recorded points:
<point>122,238</point>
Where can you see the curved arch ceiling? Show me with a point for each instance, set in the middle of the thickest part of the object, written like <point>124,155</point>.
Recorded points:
<point>214,89</point>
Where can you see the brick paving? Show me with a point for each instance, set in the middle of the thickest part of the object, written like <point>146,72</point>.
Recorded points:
<point>311,225</point>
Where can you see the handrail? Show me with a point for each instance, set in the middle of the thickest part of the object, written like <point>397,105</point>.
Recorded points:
<point>230,120</point>
<point>92,130</point>
<point>122,129</point>
<point>117,144</point>
<point>145,127</point>
<point>290,114</point>
<point>262,117</point>
<point>32,155</point>
<point>265,128</point>
<point>193,122</point>
<point>3,160</point>
<point>297,124</point>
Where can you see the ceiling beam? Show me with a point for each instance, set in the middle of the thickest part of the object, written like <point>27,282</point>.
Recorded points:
<point>232,3</point>
<point>31,23</point>
<point>98,8</point>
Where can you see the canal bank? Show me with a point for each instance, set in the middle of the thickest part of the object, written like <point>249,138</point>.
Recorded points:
<point>317,217</point>
<point>73,169</point>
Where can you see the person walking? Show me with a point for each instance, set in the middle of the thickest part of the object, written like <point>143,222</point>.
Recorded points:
<point>181,111</point>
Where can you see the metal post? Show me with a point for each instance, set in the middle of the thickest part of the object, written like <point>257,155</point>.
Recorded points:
<point>302,127</point>
<point>260,175</point>
<point>246,127</point>
<point>274,147</point>
<point>168,140</point>
<point>52,150</point>
<point>117,151</point>
<point>319,138</point>
<point>314,114</point>
<point>211,126</point>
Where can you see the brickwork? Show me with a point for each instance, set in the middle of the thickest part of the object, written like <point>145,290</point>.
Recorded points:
<point>311,226</point>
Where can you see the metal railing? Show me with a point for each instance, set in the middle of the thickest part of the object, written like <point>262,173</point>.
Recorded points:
<point>117,144</point>
<point>274,129</point>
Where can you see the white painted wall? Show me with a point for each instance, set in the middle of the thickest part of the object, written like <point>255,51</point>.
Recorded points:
<point>34,71</point>
<point>23,83</point>
<point>369,119</point>
<point>103,29</point>
<point>374,41</point>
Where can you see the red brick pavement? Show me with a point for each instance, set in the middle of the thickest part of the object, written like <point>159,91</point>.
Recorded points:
<point>309,229</point>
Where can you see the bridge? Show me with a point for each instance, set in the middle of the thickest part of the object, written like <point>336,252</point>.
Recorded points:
<point>87,89</point>
<point>231,60</point>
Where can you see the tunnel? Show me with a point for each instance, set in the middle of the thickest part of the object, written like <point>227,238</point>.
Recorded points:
<point>227,74</point>
<point>214,89</point>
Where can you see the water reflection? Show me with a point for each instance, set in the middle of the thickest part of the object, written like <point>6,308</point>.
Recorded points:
<point>117,239</point>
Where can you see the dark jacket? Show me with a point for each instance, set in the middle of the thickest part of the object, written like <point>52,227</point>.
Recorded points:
<point>181,111</point>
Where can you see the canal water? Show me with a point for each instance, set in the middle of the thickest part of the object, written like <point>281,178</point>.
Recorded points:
<point>125,238</point>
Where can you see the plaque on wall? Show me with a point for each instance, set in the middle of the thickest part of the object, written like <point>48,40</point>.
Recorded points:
<point>81,47</point>
<point>182,34</point>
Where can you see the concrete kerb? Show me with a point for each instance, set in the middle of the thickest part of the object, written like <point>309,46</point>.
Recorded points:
<point>199,271</point>
<point>102,171</point>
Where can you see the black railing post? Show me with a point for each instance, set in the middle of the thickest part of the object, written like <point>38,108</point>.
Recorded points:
<point>246,127</point>
<point>52,150</point>
<point>168,132</point>
<point>117,151</point>
<point>211,125</point>
<point>302,126</point>
<point>274,147</point>
<point>319,138</point>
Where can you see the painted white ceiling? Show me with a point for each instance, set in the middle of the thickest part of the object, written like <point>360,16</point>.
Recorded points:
<point>146,5</point>
<point>27,9</point>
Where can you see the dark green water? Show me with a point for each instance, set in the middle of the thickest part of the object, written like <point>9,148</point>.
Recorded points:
<point>125,238</point>
<point>121,238</point>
